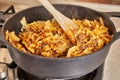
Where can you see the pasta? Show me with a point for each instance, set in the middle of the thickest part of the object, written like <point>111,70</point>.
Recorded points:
<point>47,39</point>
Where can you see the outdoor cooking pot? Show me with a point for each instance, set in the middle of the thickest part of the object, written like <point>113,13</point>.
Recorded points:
<point>57,67</point>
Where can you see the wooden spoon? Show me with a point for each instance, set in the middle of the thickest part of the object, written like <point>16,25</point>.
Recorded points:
<point>67,25</point>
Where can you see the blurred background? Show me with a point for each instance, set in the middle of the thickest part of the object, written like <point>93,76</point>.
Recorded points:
<point>22,4</point>
<point>112,64</point>
<point>33,2</point>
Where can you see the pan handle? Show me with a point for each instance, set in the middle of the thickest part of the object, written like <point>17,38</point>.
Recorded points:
<point>115,14</point>
<point>117,35</point>
<point>2,41</point>
<point>3,45</point>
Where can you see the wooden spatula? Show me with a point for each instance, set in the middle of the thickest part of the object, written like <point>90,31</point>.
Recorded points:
<point>67,25</point>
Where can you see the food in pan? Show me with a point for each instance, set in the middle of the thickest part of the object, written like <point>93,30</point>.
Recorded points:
<point>47,39</point>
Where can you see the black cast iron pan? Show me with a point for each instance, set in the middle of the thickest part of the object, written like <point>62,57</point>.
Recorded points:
<point>58,67</point>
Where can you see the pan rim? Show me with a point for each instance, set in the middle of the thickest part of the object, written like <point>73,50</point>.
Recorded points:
<point>59,59</point>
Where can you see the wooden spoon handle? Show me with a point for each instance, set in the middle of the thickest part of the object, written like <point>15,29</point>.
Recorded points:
<point>56,14</point>
<point>66,23</point>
